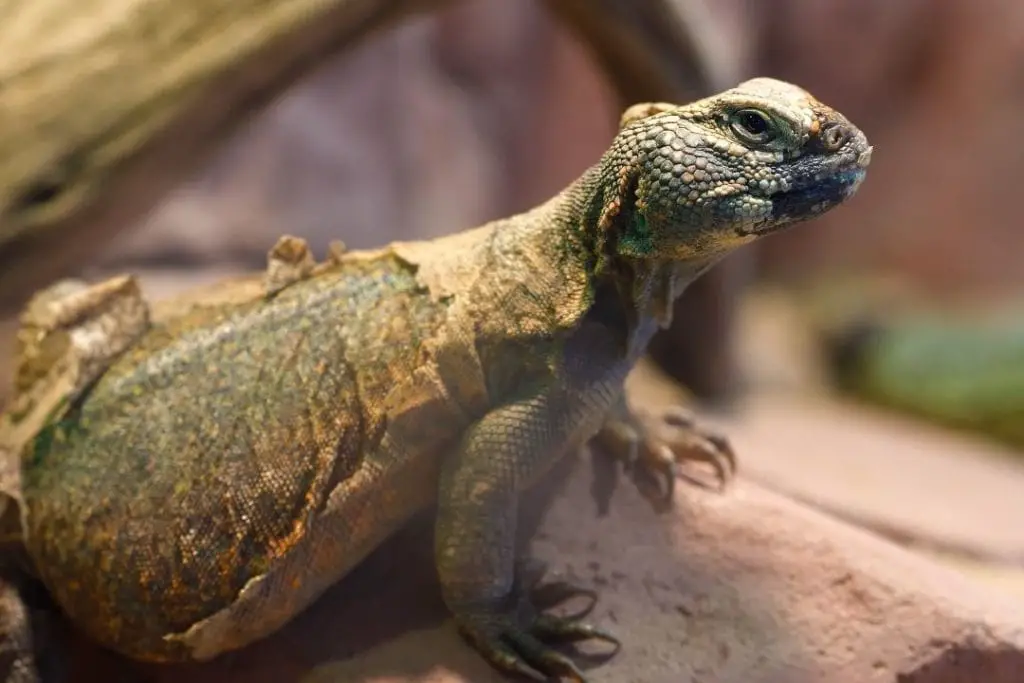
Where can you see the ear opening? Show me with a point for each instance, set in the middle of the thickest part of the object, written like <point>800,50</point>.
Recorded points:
<point>623,230</point>
<point>643,110</point>
<point>620,206</point>
<point>625,245</point>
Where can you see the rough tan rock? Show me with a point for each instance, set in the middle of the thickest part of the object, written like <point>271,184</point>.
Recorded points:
<point>929,485</point>
<point>747,587</point>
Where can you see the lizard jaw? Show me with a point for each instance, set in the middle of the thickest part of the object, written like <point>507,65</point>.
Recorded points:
<point>802,203</point>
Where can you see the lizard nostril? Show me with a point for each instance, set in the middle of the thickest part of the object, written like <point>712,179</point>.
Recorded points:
<point>834,136</point>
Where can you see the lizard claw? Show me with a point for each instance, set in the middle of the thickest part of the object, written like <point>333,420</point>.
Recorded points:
<point>653,446</point>
<point>517,641</point>
<point>549,595</point>
<point>546,594</point>
<point>680,439</point>
<point>524,649</point>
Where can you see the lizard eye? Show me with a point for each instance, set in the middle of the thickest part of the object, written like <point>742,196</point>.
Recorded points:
<point>43,191</point>
<point>46,189</point>
<point>753,125</point>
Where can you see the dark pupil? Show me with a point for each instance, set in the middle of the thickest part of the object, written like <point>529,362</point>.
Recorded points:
<point>754,123</point>
<point>43,192</point>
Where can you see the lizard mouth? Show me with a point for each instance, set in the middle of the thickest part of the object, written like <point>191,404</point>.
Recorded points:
<point>813,199</point>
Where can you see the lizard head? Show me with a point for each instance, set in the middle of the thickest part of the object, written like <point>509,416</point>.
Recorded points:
<point>699,180</point>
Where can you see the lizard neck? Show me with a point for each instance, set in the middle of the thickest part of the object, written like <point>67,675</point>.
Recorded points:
<point>644,293</point>
<point>643,290</point>
<point>564,256</point>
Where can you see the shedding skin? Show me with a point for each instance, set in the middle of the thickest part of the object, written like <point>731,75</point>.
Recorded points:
<point>259,438</point>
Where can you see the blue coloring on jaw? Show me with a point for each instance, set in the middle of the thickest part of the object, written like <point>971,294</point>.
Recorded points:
<point>801,203</point>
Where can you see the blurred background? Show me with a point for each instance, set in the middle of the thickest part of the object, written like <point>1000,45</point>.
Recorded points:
<point>870,363</point>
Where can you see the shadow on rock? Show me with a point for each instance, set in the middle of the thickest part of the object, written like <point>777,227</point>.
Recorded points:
<point>962,664</point>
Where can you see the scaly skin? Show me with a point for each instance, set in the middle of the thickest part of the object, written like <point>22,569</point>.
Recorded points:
<point>259,439</point>
<point>105,105</point>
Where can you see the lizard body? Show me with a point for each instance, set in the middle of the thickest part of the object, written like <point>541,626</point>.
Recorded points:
<point>256,441</point>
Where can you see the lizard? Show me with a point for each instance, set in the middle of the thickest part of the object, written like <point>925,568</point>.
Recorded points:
<point>241,448</point>
<point>105,106</point>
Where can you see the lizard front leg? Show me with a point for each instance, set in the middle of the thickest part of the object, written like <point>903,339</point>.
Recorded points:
<point>652,445</point>
<point>498,457</point>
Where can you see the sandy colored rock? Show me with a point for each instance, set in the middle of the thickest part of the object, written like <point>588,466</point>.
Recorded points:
<point>911,480</point>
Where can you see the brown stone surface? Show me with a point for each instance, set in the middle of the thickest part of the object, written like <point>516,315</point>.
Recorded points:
<point>911,480</point>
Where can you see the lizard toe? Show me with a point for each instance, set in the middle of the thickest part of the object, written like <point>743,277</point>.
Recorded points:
<point>549,627</point>
<point>498,653</point>
<point>655,449</point>
<point>511,648</point>
<point>545,596</point>
<point>677,439</point>
<point>543,658</point>
<point>517,638</point>
<point>536,593</point>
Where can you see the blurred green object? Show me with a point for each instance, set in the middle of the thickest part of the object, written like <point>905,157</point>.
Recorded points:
<point>966,372</point>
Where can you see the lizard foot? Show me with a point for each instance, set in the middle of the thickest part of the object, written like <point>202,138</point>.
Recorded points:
<point>518,638</point>
<point>546,594</point>
<point>652,446</point>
